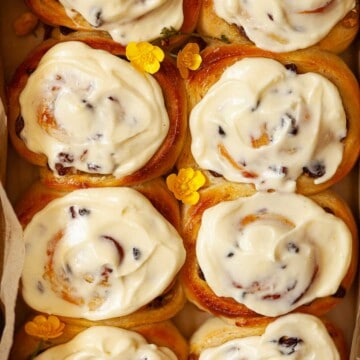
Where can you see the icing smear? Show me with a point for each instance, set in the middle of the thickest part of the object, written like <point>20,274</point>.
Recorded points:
<point>277,251</point>
<point>95,254</point>
<point>110,343</point>
<point>128,20</point>
<point>281,26</point>
<point>263,123</point>
<point>294,336</point>
<point>90,110</point>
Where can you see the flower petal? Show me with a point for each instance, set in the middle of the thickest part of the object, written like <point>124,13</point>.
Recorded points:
<point>199,179</point>
<point>191,199</point>
<point>145,56</point>
<point>196,62</point>
<point>158,53</point>
<point>131,50</point>
<point>184,186</point>
<point>151,67</point>
<point>44,328</point>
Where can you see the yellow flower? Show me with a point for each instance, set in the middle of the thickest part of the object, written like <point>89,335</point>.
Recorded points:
<point>145,56</point>
<point>188,58</point>
<point>45,328</point>
<point>185,185</point>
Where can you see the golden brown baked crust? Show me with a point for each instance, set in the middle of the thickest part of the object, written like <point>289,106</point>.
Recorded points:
<point>336,41</point>
<point>198,291</point>
<point>163,307</point>
<point>162,334</point>
<point>53,13</point>
<point>223,332</point>
<point>162,161</point>
<point>217,58</point>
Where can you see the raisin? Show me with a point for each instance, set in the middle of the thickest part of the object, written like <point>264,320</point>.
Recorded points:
<point>84,212</point>
<point>136,253</point>
<point>291,247</point>
<point>65,157</point>
<point>293,128</point>
<point>97,136</point>
<point>93,167</point>
<point>288,344</point>
<point>98,20</point>
<point>105,274</point>
<point>87,104</point>
<point>278,169</point>
<point>271,297</point>
<point>221,131</point>
<point>40,287</point>
<point>292,67</point>
<point>19,125</point>
<point>61,169</point>
<point>340,292</point>
<point>315,170</point>
<point>68,268</point>
<point>72,212</point>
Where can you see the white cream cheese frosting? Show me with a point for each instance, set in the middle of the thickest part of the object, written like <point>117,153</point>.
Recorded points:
<point>90,110</point>
<point>284,25</point>
<point>294,336</point>
<point>98,254</point>
<point>265,124</point>
<point>273,252</point>
<point>128,20</point>
<point>110,343</point>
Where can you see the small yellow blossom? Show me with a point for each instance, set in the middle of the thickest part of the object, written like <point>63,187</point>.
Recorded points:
<point>45,327</point>
<point>185,185</point>
<point>145,56</point>
<point>188,58</point>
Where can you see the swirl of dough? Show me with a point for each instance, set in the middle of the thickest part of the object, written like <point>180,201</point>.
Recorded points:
<point>106,342</point>
<point>265,124</point>
<point>271,252</point>
<point>298,336</point>
<point>128,20</point>
<point>281,26</point>
<point>92,111</point>
<point>95,254</point>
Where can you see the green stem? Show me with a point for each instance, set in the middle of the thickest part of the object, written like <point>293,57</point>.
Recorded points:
<point>37,350</point>
<point>169,33</point>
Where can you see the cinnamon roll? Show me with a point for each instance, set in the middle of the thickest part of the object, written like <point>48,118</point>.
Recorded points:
<point>156,341</point>
<point>124,20</point>
<point>281,122</point>
<point>104,256</point>
<point>296,335</point>
<point>267,254</point>
<point>282,26</point>
<point>88,115</point>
